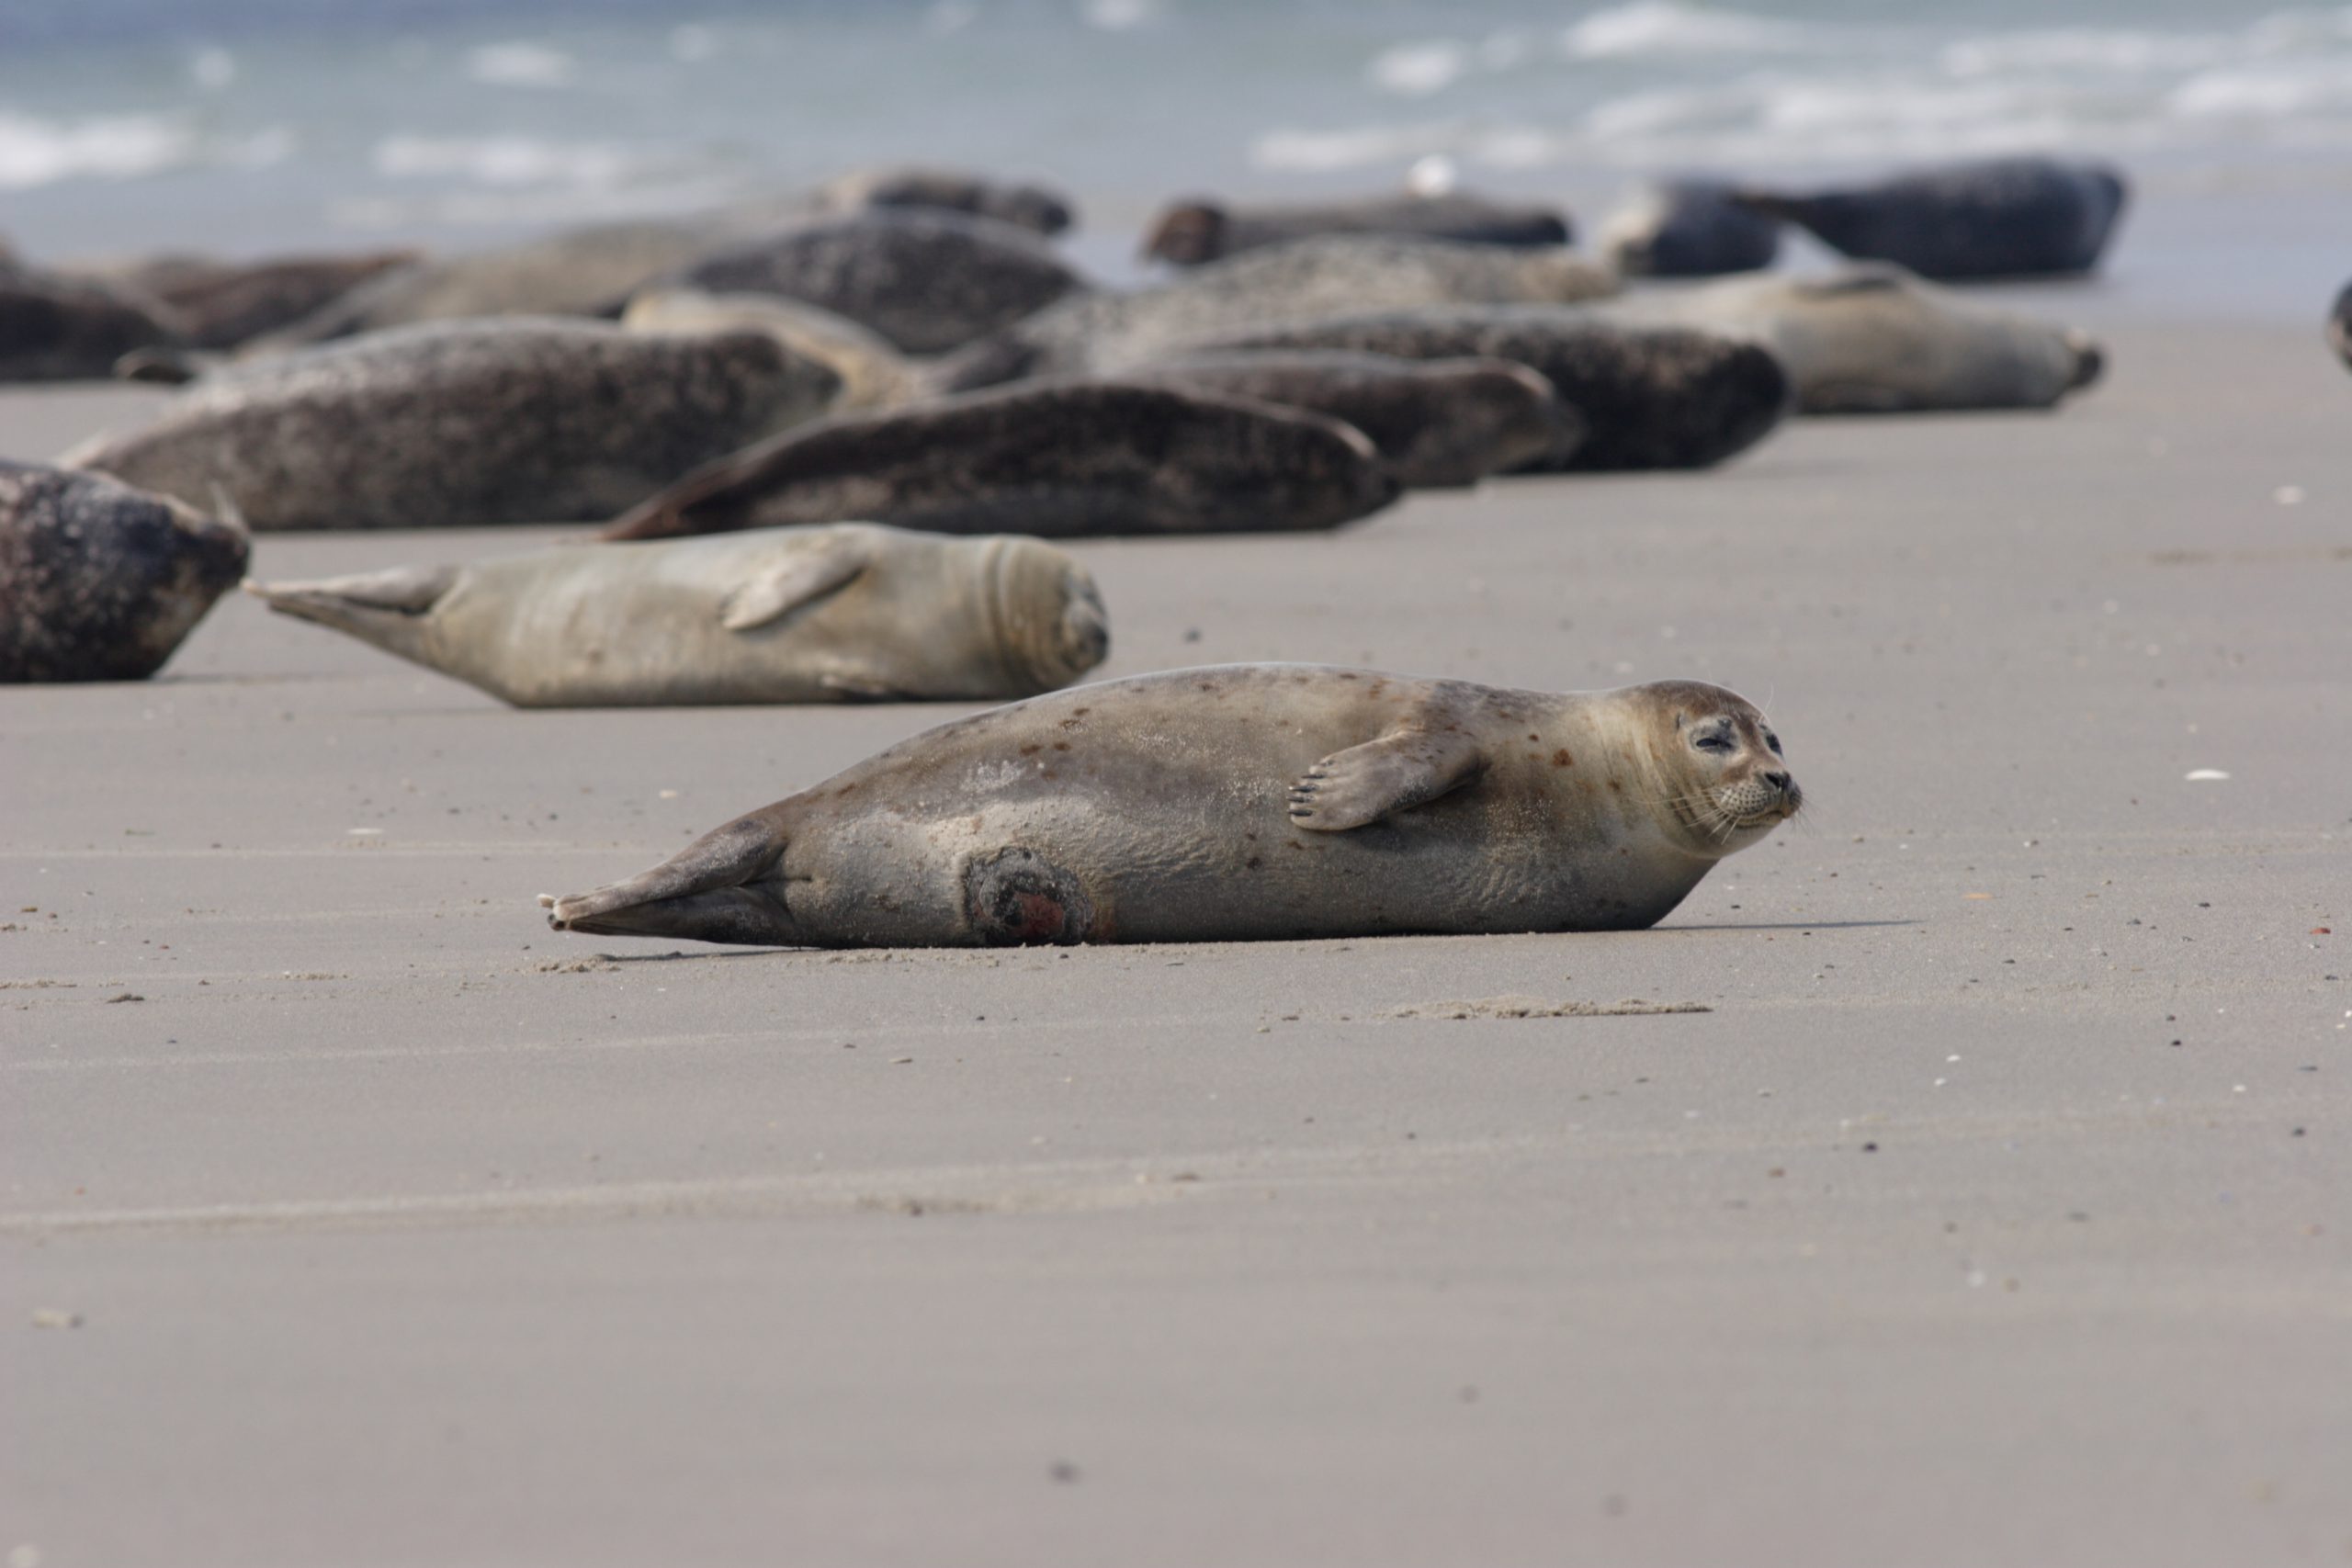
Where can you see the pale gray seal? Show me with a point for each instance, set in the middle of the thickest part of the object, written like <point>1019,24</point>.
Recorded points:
<point>874,373</point>
<point>55,328</point>
<point>1876,340</point>
<point>1651,397</point>
<point>1034,207</point>
<point>776,616</point>
<point>1059,459</point>
<point>1688,229</point>
<point>456,424</point>
<point>1252,801</point>
<point>927,281</point>
<point>99,582</point>
<point>1436,421</point>
<point>1099,334</point>
<point>1192,232</point>
<point>2004,217</point>
<point>220,304</point>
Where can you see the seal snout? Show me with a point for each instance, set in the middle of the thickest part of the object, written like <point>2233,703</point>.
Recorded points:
<point>2090,360</point>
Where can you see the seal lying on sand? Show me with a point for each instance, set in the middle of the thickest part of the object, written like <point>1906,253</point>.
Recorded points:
<point>1876,340</point>
<point>1250,801</point>
<point>222,304</point>
<point>1034,207</point>
<point>1192,232</point>
<point>874,373</point>
<point>1101,334</point>
<point>2006,218</point>
<point>779,616</point>
<point>2340,324</point>
<point>1436,421</point>
<point>1688,229</point>
<point>1061,459</point>
<point>463,423</point>
<point>54,328</point>
<point>99,582</point>
<point>1651,397</point>
<point>927,281</point>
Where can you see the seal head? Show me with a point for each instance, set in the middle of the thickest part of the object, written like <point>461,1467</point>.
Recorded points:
<point>1715,764</point>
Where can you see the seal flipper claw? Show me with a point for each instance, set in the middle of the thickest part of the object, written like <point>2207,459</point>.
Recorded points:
<point>1398,771</point>
<point>710,891</point>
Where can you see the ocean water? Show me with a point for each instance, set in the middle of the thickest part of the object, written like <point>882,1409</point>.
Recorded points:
<point>241,126</point>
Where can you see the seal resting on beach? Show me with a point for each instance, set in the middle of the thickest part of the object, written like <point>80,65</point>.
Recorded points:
<point>1876,340</point>
<point>452,425</point>
<point>1437,423</point>
<point>99,582</point>
<point>1688,229</point>
<point>778,615</point>
<point>928,281</point>
<point>1104,333</point>
<point>2002,218</point>
<point>1651,397</point>
<point>1191,232</point>
<point>2340,324</point>
<point>1034,207</point>
<point>220,304</point>
<point>55,328</point>
<point>1249,801</point>
<point>1062,458</point>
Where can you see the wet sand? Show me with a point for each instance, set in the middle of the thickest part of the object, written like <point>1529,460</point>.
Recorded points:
<point>1998,1210</point>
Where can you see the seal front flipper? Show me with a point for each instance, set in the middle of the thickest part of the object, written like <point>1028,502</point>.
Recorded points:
<point>1401,770</point>
<point>716,889</point>
<point>825,565</point>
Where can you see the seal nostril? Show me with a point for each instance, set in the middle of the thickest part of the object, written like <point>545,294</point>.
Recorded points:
<point>1778,780</point>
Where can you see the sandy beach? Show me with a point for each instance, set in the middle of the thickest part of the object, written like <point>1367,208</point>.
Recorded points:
<point>1993,1201</point>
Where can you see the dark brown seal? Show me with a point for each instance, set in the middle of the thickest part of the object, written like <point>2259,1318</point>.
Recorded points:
<point>2003,217</point>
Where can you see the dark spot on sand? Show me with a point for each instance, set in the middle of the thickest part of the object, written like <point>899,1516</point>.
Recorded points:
<point>1615,785</point>
<point>1062,745</point>
<point>1561,759</point>
<point>1031,751</point>
<point>1254,862</point>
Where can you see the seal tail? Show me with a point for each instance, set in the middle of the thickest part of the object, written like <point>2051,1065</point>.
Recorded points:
<point>716,889</point>
<point>380,607</point>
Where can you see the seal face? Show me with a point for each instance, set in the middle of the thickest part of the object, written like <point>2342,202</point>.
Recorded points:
<point>55,328</point>
<point>1235,803</point>
<point>1437,423</point>
<point>1192,232</point>
<point>779,616</point>
<point>99,582</point>
<point>461,423</point>
<point>1876,340</point>
<point>1688,229</point>
<point>1103,333</point>
<point>2002,218</point>
<point>1650,397</point>
<point>927,281</point>
<point>1055,458</point>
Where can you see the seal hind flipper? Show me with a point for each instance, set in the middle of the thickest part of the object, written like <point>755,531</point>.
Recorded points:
<point>826,565</point>
<point>703,892</point>
<point>381,607</point>
<point>1380,778</point>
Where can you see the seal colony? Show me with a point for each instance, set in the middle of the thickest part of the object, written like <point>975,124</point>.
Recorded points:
<point>1235,803</point>
<point>778,615</point>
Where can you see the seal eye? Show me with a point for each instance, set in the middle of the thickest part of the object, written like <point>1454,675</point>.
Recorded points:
<point>1773,741</point>
<point>1711,740</point>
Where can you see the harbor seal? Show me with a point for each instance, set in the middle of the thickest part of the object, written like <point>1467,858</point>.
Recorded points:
<point>778,615</point>
<point>1192,232</point>
<point>2340,324</point>
<point>2003,217</point>
<point>874,373</point>
<point>1034,207</point>
<point>927,281</point>
<point>1688,229</point>
<point>220,304</point>
<point>54,328</point>
<point>452,425</point>
<point>1060,458</point>
<point>1876,340</point>
<point>99,582</point>
<point>1104,333</point>
<point>1651,397</point>
<point>1244,802</point>
<point>1438,422</point>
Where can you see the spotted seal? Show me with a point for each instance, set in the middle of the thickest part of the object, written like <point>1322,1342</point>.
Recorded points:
<point>774,615</point>
<point>2001,218</point>
<point>456,423</point>
<point>1191,232</point>
<point>1029,207</point>
<point>1253,801</point>
<point>99,582</point>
